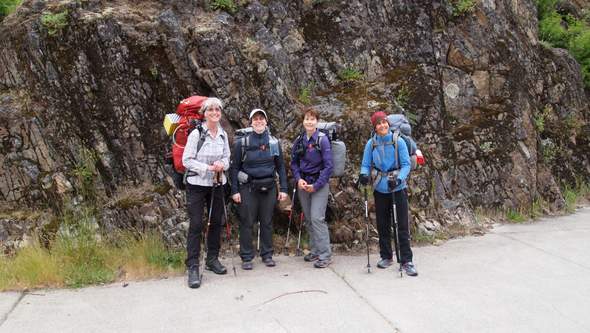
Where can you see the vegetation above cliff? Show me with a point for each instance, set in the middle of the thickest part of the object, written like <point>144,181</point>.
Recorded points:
<point>564,29</point>
<point>7,7</point>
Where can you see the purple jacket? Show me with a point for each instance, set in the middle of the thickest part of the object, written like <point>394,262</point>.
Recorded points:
<point>315,166</point>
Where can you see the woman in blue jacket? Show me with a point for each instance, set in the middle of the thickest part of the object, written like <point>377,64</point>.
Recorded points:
<point>391,170</point>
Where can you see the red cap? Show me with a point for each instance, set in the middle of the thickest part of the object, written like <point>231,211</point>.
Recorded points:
<point>377,117</point>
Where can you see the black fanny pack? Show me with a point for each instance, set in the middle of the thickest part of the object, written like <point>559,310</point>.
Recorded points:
<point>262,185</point>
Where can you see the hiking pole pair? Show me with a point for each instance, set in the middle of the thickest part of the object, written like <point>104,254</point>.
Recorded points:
<point>396,235</point>
<point>286,248</point>
<point>227,226</point>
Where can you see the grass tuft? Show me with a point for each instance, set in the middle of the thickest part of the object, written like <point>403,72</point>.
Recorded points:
<point>350,75</point>
<point>79,256</point>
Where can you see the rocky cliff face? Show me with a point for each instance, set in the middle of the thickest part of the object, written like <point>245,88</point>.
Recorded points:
<point>501,119</point>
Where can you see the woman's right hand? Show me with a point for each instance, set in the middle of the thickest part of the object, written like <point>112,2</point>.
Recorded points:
<point>301,184</point>
<point>237,198</point>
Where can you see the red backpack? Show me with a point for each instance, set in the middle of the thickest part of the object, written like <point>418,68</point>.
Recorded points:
<point>179,126</point>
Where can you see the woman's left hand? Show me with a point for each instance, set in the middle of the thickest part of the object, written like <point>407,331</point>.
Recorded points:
<point>282,196</point>
<point>309,188</point>
<point>218,166</point>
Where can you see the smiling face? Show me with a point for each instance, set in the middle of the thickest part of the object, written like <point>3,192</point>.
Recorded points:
<point>213,114</point>
<point>382,127</point>
<point>258,123</point>
<point>310,123</point>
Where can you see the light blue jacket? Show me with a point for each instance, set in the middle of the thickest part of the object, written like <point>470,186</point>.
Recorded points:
<point>383,158</point>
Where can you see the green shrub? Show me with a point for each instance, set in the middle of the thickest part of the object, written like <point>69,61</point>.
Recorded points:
<point>54,22</point>
<point>226,5</point>
<point>403,96</point>
<point>541,117</point>
<point>551,30</point>
<point>537,208</point>
<point>545,8</point>
<point>305,93</point>
<point>515,216</point>
<point>8,6</point>
<point>579,46</point>
<point>350,74</point>
<point>566,31</point>
<point>462,7</point>
<point>573,195</point>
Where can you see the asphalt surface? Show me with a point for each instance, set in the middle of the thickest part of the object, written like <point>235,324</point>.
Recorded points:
<point>517,278</point>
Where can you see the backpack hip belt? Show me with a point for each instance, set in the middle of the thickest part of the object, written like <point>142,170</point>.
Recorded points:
<point>377,175</point>
<point>313,176</point>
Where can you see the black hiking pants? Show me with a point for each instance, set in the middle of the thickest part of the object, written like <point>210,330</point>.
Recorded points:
<point>384,210</point>
<point>256,207</point>
<point>197,198</point>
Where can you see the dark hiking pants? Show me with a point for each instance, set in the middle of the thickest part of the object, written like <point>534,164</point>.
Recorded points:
<point>197,198</point>
<point>256,207</point>
<point>384,208</point>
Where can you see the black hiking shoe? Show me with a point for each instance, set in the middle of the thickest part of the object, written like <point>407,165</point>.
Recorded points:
<point>384,263</point>
<point>194,279</point>
<point>310,257</point>
<point>247,265</point>
<point>410,269</point>
<point>214,265</point>
<point>269,262</point>
<point>322,263</point>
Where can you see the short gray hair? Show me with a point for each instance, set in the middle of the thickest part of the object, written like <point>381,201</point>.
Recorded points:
<point>209,102</point>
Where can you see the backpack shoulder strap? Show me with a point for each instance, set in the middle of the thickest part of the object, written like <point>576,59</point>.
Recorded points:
<point>396,135</point>
<point>245,142</point>
<point>202,136</point>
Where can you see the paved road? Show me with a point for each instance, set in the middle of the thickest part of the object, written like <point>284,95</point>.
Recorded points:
<point>518,278</point>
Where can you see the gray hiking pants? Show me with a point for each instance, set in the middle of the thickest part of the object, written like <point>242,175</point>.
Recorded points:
<point>314,208</point>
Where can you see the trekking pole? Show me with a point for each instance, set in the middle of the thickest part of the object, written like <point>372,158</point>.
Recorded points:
<point>205,247</point>
<point>286,248</point>
<point>299,252</point>
<point>368,222</point>
<point>228,230</point>
<point>258,241</point>
<point>396,236</point>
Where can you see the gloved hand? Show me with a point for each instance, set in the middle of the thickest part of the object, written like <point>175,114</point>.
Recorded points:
<point>391,183</point>
<point>363,179</point>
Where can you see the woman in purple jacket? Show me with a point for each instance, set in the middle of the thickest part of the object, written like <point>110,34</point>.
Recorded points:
<point>311,164</point>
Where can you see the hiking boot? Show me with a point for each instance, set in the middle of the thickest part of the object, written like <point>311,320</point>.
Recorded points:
<point>247,265</point>
<point>194,279</point>
<point>214,265</point>
<point>311,257</point>
<point>384,263</point>
<point>322,263</point>
<point>410,269</point>
<point>269,262</point>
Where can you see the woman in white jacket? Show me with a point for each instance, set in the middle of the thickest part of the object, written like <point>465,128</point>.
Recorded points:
<point>205,157</point>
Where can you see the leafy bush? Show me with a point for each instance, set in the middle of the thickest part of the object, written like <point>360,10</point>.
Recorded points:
<point>350,74</point>
<point>462,7</point>
<point>54,22</point>
<point>226,5</point>
<point>565,31</point>
<point>8,6</point>
<point>306,92</point>
<point>545,8</point>
<point>551,30</point>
